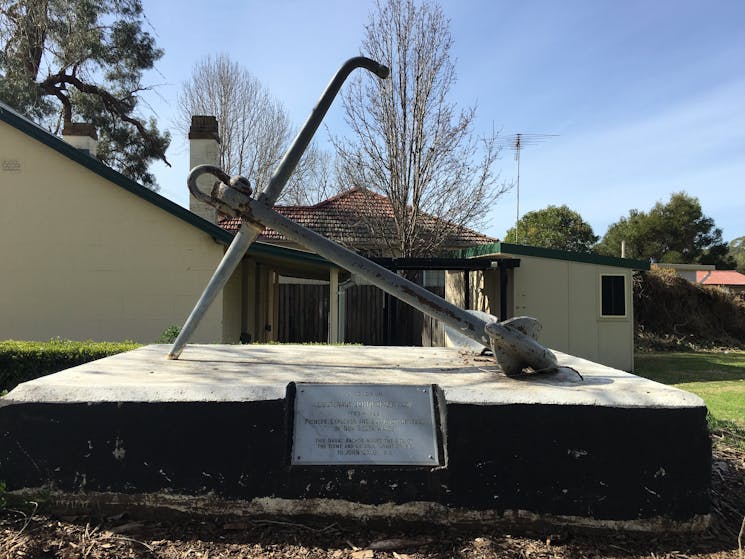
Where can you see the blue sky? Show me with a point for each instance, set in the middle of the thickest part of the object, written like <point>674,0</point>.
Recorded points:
<point>646,98</point>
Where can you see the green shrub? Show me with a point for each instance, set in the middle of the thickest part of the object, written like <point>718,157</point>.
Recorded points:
<point>169,335</point>
<point>22,361</point>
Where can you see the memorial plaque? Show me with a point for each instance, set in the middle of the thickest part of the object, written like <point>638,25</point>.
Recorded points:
<point>384,424</point>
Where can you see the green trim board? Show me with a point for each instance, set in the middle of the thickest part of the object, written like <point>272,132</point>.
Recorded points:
<point>266,249</point>
<point>435,263</point>
<point>30,128</point>
<point>525,250</point>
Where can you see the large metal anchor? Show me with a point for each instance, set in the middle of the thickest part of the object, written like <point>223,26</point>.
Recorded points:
<point>512,341</point>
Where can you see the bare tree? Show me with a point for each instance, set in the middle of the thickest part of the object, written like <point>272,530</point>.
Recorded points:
<point>408,142</point>
<point>254,127</point>
<point>312,180</point>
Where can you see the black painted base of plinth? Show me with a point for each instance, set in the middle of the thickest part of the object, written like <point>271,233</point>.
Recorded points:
<point>586,462</point>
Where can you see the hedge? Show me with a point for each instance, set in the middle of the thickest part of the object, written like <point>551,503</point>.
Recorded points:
<point>21,361</point>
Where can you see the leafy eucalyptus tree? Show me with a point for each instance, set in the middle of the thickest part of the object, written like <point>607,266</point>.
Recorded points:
<point>555,227</point>
<point>83,60</point>
<point>675,232</point>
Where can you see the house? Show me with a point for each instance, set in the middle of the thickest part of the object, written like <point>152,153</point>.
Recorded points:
<point>686,271</point>
<point>707,274</point>
<point>358,219</point>
<point>730,280</point>
<point>86,253</point>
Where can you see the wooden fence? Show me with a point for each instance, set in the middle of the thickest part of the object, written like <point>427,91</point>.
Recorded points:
<point>303,313</point>
<point>372,317</point>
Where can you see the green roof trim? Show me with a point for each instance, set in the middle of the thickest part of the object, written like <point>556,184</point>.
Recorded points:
<point>266,249</point>
<point>30,128</point>
<point>555,254</point>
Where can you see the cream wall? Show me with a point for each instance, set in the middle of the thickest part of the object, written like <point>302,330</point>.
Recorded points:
<point>565,297</point>
<point>483,287</point>
<point>232,303</point>
<point>454,292</point>
<point>82,258</point>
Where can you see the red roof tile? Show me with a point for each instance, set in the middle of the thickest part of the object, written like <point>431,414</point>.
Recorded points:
<point>720,277</point>
<point>350,218</point>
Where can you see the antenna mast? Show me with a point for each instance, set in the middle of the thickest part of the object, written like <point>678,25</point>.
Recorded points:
<point>516,142</point>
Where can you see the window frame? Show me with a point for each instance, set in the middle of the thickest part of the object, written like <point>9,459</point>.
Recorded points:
<point>626,301</point>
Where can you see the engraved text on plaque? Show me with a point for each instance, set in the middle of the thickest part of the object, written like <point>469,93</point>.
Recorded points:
<point>364,424</point>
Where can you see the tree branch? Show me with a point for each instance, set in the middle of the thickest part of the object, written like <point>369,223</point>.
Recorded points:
<point>115,106</point>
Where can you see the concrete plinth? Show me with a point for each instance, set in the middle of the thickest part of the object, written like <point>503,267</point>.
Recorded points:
<point>212,433</point>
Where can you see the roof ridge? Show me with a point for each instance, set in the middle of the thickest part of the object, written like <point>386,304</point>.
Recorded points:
<point>322,202</point>
<point>345,194</point>
<point>381,198</point>
<point>343,218</point>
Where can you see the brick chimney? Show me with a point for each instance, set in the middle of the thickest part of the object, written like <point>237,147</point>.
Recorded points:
<point>204,148</point>
<point>81,136</point>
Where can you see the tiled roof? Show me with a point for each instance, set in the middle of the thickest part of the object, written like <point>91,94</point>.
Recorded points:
<point>351,218</point>
<point>720,277</point>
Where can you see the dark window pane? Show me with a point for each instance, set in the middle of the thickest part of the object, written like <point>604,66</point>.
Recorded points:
<point>613,296</point>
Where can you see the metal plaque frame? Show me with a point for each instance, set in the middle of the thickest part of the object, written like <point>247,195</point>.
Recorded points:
<point>364,424</point>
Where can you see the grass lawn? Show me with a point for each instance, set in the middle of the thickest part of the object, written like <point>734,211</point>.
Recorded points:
<point>718,377</point>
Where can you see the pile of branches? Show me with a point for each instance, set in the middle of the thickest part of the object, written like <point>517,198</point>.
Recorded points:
<point>673,313</point>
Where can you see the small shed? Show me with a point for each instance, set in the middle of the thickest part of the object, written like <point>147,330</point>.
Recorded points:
<point>584,301</point>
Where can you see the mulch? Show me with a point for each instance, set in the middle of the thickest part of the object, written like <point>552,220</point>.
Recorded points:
<point>38,536</point>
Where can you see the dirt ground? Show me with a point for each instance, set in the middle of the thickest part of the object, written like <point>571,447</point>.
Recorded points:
<point>24,535</point>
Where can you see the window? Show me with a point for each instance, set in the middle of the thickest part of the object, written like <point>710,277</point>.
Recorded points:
<point>612,295</point>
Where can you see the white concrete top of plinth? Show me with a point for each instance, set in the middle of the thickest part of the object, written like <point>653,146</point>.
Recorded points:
<point>232,373</point>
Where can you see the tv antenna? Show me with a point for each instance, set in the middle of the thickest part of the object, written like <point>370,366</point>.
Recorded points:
<point>516,142</point>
